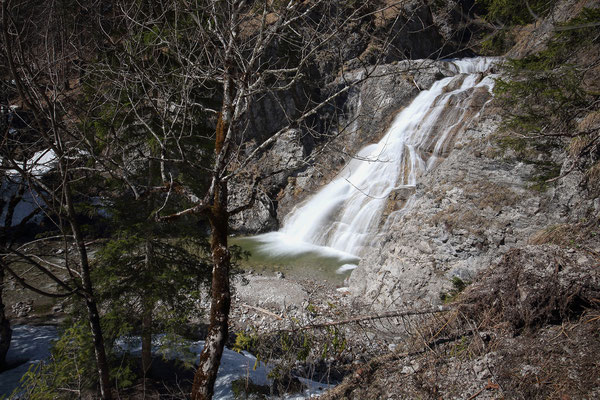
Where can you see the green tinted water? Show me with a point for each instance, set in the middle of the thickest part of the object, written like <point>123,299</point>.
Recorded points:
<point>310,264</point>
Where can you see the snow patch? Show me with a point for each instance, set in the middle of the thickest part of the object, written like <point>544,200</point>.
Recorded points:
<point>40,164</point>
<point>31,345</point>
<point>31,202</point>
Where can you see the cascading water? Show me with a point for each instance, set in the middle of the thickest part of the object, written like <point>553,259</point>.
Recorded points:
<point>346,214</point>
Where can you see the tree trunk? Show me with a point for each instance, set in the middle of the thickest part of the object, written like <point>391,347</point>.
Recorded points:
<point>101,361</point>
<point>5,331</point>
<point>147,308</point>
<point>90,301</point>
<point>146,338</point>
<point>210,358</point>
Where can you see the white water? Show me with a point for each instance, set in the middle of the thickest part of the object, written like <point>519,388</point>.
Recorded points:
<point>345,215</point>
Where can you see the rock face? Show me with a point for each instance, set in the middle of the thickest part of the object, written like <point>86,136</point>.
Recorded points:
<point>466,213</point>
<point>286,155</point>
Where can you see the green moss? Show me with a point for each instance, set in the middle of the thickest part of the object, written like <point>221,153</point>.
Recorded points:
<point>498,42</point>
<point>545,171</point>
<point>529,151</point>
<point>43,308</point>
<point>458,285</point>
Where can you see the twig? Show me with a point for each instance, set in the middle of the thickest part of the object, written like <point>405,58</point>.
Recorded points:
<point>390,314</point>
<point>262,310</point>
<point>490,386</point>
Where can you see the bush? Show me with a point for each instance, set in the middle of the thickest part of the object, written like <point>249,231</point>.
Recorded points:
<point>516,12</point>
<point>547,95</point>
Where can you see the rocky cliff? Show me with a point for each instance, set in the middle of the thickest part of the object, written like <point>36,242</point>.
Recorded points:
<point>466,213</point>
<point>480,201</point>
<point>515,227</point>
<point>484,199</point>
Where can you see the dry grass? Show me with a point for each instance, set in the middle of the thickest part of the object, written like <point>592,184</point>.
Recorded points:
<point>584,235</point>
<point>527,329</point>
<point>467,213</point>
<point>532,288</point>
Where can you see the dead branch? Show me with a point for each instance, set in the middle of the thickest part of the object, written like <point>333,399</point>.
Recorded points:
<point>262,310</point>
<point>366,318</point>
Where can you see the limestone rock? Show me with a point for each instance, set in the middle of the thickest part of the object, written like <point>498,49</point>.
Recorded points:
<point>465,214</point>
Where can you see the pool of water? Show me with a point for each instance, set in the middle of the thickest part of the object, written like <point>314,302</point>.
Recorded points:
<point>270,254</point>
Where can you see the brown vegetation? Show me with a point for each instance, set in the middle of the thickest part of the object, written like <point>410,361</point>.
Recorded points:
<point>526,329</point>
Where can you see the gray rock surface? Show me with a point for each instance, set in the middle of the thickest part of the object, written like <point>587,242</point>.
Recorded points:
<point>286,156</point>
<point>270,292</point>
<point>467,212</point>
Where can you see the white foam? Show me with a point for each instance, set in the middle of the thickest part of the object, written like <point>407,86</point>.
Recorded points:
<point>279,244</point>
<point>346,267</point>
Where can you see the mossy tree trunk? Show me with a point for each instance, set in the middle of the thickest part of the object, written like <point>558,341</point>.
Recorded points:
<point>218,216</point>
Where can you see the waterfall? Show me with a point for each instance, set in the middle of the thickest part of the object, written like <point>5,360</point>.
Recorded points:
<point>346,214</point>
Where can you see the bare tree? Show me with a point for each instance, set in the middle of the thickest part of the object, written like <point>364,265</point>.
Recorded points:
<point>183,78</point>
<point>5,331</point>
<point>39,44</point>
